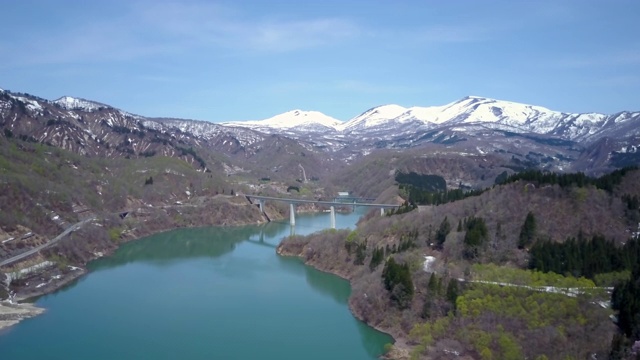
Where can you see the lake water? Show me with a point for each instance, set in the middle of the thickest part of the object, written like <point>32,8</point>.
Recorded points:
<point>207,293</point>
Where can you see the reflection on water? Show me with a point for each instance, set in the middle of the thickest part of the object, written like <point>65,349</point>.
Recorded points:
<point>185,243</point>
<point>327,284</point>
<point>201,293</point>
<point>178,244</point>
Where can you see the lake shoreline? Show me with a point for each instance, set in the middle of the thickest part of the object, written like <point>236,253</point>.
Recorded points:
<point>76,274</point>
<point>54,277</point>
<point>400,349</point>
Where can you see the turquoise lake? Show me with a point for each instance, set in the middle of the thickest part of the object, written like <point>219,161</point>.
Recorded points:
<point>206,293</point>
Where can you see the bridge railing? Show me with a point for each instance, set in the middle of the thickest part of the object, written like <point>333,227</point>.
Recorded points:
<point>331,204</point>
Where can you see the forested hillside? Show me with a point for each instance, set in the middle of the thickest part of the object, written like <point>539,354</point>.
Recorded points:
<point>526,269</point>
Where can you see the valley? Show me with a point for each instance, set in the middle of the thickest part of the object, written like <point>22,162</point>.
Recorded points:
<point>80,178</point>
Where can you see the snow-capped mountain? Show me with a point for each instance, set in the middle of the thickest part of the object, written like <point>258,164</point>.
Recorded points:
<point>491,113</point>
<point>206,130</point>
<point>71,103</point>
<point>389,121</point>
<point>377,116</point>
<point>525,135</point>
<point>471,125</point>
<point>297,120</point>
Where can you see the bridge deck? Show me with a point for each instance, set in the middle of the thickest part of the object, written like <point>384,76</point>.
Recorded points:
<point>319,202</point>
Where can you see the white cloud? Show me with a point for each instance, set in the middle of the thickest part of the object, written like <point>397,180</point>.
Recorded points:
<point>372,88</point>
<point>581,61</point>
<point>300,34</point>
<point>172,28</point>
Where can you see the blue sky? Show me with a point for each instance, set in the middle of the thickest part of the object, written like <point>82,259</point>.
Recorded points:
<point>249,60</point>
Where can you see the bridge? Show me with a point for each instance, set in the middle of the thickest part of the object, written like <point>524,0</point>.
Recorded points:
<point>331,204</point>
<point>352,199</point>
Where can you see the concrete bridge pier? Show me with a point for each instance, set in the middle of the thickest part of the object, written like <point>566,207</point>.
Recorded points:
<point>261,202</point>
<point>292,214</point>
<point>381,211</point>
<point>333,216</point>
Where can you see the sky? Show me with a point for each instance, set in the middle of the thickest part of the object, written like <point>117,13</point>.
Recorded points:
<point>251,60</point>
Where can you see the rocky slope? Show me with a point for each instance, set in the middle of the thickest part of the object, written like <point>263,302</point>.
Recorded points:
<point>522,135</point>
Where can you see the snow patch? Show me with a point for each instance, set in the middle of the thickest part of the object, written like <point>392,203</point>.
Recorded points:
<point>71,103</point>
<point>293,119</point>
<point>428,263</point>
<point>30,104</point>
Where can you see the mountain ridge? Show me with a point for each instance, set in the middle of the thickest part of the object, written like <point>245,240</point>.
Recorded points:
<point>291,119</point>
<point>70,103</point>
<point>522,135</point>
<point>472,109</point>
<point>523,118</point>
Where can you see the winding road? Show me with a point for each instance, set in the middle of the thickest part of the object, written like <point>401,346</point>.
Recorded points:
<point>25,254</point>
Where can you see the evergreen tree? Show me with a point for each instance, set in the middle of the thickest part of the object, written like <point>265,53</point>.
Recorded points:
<point>376,258</point>
<point>475,237</point>
<point>452,291</point>
<point>443,231</point>
<point>584,257</point>
<point>626,299</point>
<point>361,253</point>
<point>528,231</point>
<point>432,285</point>
<point>397,280</point>
<point>426,307</point>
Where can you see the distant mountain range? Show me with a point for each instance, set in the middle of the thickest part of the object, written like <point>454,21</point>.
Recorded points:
<point>498,114</point>
<point>521,135</point>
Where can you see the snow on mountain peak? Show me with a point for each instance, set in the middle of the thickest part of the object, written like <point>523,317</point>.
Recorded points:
<point>71,103</point>
<point>374,117</point>
<point>385,111</point>
<point>470,109</point>
<point>469,112</point>
<point>293,119</point>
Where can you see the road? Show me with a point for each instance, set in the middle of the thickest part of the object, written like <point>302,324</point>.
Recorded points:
<point>569,291</point>
<point>319,202</point>
<point>71,228</point>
